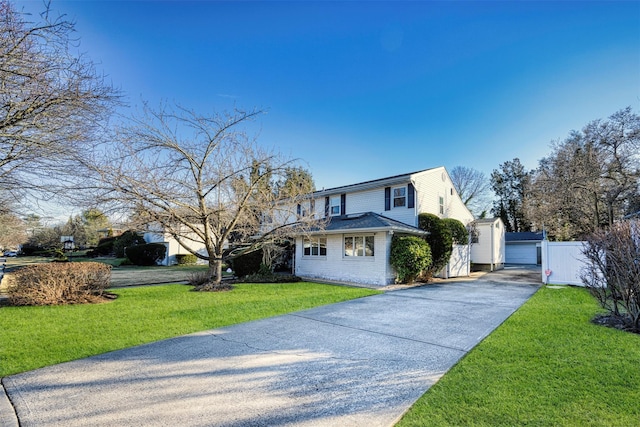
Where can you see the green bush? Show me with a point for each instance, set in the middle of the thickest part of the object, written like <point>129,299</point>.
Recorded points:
<point>59,283</point>
<point>186,259</point>
<point>409,256</point>
<point>247,264</point>
<point>147,254</point>
<point>126,239</point>
<point>458,231</point>
<point>440,240</point>
<point>105,247</point>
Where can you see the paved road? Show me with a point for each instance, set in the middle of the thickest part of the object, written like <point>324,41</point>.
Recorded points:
<point>357,363</point>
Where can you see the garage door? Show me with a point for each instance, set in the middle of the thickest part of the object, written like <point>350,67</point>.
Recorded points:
<point>521,253</point>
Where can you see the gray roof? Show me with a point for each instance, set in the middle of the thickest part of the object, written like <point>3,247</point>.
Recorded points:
<point>368,222</point>
<point>390,180</point>
<point>526,236</point>
<point>485,220</point>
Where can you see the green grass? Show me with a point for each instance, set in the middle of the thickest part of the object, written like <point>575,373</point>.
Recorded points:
<point>547,365</point>
<point>33,337</point>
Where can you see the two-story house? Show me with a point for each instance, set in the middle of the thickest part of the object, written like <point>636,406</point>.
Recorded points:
<point>361,220</point>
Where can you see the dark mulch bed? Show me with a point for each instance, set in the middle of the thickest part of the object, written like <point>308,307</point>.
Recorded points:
<point>617,322</point>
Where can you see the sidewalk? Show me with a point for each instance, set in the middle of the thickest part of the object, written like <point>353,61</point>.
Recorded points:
<point>358,363</point>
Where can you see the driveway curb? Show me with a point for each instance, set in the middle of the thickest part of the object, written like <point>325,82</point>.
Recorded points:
<point>8,417</point>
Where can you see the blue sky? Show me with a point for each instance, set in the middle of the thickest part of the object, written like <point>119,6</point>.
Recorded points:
<point>364,90</point>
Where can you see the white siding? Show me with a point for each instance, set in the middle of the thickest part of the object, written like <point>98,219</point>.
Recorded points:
<point>459,261</point>
<point>562,262</point>
<point>490,248</point>
<point>433,184</point>
<point>173,247</point>
<point>336,267</point>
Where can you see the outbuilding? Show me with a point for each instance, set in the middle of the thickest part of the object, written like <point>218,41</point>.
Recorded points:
<point>524,247</point>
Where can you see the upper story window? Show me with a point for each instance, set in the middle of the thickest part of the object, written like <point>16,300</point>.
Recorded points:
<point>334,205</point>
<point>441,205</point>
<point>314,246</point>
<point>399,197</point>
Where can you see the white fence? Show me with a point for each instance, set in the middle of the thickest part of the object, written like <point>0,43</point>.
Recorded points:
<point>562,262</point>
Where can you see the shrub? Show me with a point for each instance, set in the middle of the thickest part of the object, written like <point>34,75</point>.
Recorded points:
<point>247,264</point>
<point>440,240</point>
<point>612,271</point>
<point>458,231</point>
<point>105,247</point>
<point>59,283</point>
<point>125,240</point>
<point>198,278</point>
<point>186,259</point>
<point>147,254</point>
<point>409,256</point>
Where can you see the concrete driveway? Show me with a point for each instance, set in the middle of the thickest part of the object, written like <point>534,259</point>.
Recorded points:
<point>357,363</point>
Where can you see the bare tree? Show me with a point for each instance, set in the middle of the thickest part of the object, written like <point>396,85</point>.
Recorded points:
<point>612,271</point>
<point>202,180</point>
<point>590,180</point>
<point>473,188</point>
<point>51,101</point>
<point>12,231</point>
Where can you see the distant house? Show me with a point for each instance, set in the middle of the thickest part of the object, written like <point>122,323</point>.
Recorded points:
<point>362,218</point>
<point>524,247</point>
<point>488,244</point>
<point>157,235</point>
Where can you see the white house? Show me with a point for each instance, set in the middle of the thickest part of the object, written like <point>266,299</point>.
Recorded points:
<point>363,217</point>
<point>488,244</point>
<point>173,247</point>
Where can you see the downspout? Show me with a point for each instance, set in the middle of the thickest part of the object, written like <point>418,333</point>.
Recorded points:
<point>493,247</point>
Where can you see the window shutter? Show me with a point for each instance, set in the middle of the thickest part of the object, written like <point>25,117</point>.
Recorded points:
<point>326,207</point>
<point>343,204</point>
<point>298,209</point>
<point>387,198</point>
<point>411,196</point>
<point>312,206</point>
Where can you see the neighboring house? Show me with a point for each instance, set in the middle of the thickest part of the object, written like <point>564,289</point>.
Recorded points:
<point>524,247</point>
<point>361,220</point>
<point>173,247</point>
<point>488,244</point>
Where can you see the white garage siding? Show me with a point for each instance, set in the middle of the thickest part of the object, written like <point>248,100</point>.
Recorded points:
<point>521,253</point>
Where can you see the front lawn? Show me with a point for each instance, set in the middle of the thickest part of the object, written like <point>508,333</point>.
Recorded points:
<point>547,365</point>
<point>33,337</point>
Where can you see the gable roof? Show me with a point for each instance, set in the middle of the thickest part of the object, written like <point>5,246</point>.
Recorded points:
<point>366,185</point>
<point>524,236</point>
<point>367,222</point>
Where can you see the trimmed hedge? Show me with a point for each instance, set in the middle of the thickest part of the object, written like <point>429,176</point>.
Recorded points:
<point>147,254</point>
<point>247,264</point>
<point>440,240</point>
<point>125,240</point>
<point>458,231</point>
<point>186,259</point>
<point>410,255</point>
<point>59,283</point>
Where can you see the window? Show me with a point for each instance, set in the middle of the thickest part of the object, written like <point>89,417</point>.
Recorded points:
<point>399,197</point>
<point>359,246</point>
<point>314,246</point>
<point>441,204</point>
<point>334,207</point>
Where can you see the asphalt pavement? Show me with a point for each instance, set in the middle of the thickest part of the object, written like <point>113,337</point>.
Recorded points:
<point>357,363</point>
